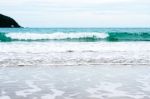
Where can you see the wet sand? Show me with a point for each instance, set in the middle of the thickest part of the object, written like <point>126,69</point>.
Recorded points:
<point>75,82</point>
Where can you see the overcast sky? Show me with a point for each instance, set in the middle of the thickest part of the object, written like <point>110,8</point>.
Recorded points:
<point>78,13</point>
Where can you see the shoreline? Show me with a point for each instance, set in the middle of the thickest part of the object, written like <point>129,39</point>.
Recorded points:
<point>76,82</point>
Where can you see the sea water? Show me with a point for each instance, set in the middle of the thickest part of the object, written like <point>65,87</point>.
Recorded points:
<point>74,63</point>
<point>74,46</point>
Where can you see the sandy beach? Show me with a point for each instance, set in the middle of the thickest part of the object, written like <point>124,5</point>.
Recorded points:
<point>76,82</point>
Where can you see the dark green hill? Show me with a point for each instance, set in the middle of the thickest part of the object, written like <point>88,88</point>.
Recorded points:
<point>8,22</point>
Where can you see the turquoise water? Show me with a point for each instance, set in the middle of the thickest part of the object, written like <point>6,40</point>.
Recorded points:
<point>74,34</point>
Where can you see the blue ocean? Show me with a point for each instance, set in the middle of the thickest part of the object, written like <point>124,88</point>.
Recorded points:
<point>74,63</point>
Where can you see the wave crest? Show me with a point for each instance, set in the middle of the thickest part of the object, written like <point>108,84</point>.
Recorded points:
<point>54,36</point>
<point>80,36</point>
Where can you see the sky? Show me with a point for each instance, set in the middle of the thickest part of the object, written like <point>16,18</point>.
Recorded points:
<point>78,13</point>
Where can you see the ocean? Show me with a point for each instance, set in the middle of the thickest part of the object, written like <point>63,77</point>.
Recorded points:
<point>74,63</point>
<point>74,46</point>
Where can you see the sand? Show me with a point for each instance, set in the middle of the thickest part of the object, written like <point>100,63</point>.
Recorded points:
<point>75,82</point>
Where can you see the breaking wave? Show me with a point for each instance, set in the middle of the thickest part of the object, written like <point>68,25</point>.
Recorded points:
<point>78,37</point>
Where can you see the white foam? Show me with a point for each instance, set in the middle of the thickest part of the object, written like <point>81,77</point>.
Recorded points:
<point>52,36</point>
<point>5,97</point>
<point>144,80</point>
<point>108,90</point>
<point>74,46</point>
<point>33,88</point>
<point>73,53</point>
<point>54,95</point>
